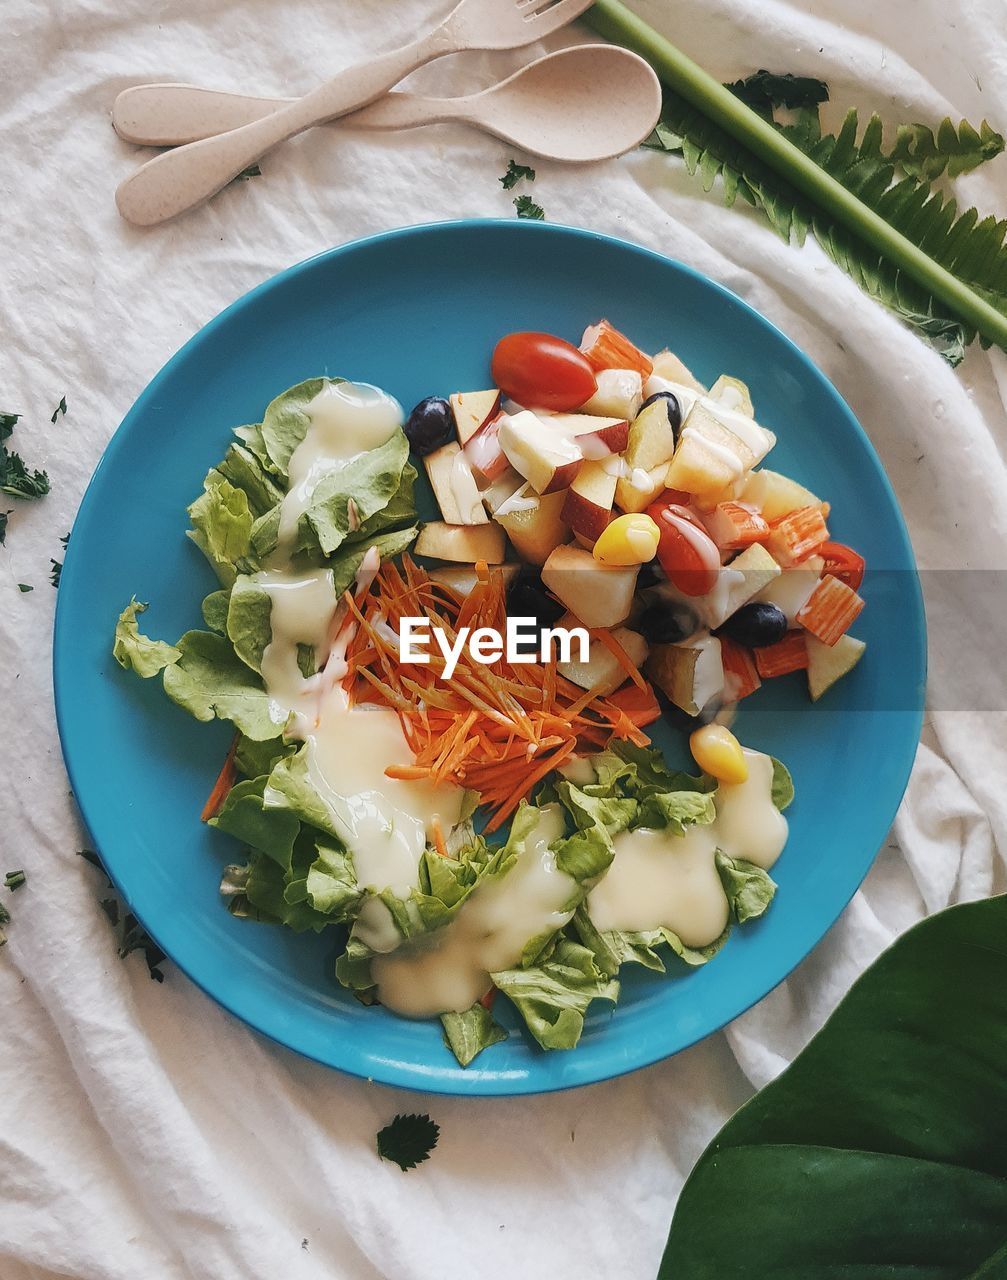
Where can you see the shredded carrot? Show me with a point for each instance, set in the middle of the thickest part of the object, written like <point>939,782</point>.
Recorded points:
<point>225,781</point>
<point>497,728</point>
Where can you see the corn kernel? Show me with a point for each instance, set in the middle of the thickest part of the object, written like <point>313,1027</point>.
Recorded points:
<point>718,752</point>
<point>628,540</point>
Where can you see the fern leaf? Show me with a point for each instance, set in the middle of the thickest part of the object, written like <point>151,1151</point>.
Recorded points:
<point>896,184</point>
<point>920,153</point>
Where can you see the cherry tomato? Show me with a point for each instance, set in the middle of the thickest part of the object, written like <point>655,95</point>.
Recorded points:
<point>542,372</point>
<point>686,552</point>
<point>844,563</point>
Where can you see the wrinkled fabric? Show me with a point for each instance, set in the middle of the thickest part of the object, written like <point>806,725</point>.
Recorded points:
<point>143,1131</point>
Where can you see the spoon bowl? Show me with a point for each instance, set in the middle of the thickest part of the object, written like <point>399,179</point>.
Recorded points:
<point>585,103</point>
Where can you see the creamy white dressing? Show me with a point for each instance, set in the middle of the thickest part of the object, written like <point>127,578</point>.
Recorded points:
<point>724,409</point>
<point>449,970</point>
<point>302,607</point>
<point>346,420</point>
<point>748,824</point>
<point>384,822</point>
<point>720,451</point>
<point>661,880</point>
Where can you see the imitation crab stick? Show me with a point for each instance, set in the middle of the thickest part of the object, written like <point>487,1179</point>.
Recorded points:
<point>605,347</point>
<point>788,654</point>
<point>830,611</point>
<point>797,535</point>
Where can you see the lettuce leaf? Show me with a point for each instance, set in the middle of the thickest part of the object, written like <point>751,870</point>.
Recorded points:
<point>210,681</point>
<point>286,421</point>
<point>248,627</point>
<point>676,810</point>
<point>467,1034</point>
<point>137,652</point>
<point>214,610</point>
<point>222,527</point>
<point>245,471</point>
<point>749,888</point>
<point>330,885</point>
<point>616,947</point>
<point>253,759</point>
<point>554,996</point>
<point>371,481</point>
<point>245,816</point>
<point>783,785</point>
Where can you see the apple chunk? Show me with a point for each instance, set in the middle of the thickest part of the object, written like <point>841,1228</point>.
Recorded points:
<point>464,543</point>
<point>619,394</point>
<point>603,670</point>
<point>690,674</point>
<point>485,455</point>
<point>829,663</point>
<point>472,410</point>
<point>596,437</point>
<point>588,506</point>
<point>548,459</point>
<point>598,595</point>
<point>536,528</point>
<point>454,487</point>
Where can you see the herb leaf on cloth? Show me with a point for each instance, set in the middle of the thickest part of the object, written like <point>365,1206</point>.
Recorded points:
<point>527,208</point>
<point>408,1140</point>
<point>515,174</point>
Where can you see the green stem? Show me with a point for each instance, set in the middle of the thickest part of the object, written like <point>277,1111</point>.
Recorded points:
<point>615,22</point>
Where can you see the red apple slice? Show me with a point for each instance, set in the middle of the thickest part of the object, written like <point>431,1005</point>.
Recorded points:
<point>597,437</point>
<point>472,410</point>
<point>588,506</point>
<point>548,459</point>
<point>485,454</point>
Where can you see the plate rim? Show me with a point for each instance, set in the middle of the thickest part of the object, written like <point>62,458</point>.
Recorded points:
<point>480,1084</point>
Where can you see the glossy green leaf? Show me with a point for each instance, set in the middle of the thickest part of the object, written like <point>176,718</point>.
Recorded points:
<point>882,1150</point>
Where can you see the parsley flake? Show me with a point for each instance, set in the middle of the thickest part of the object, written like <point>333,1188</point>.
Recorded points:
<point>14,880</point>
<point>60,409</point>
<point>408,1140</point>
<point>527,208</point>
<point>253,171</point>
<point>130,934</point>
<point>515,172</point>
<point>4,919</point>
<point>8,421</point>
<point>24,588</point>
<point>3,525</point>
<point>55,572</point>
<point>17,480</point>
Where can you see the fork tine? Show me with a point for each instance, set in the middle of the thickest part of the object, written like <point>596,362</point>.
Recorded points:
<point>550,14</point>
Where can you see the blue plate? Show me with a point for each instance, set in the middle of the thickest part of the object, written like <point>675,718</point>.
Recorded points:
<point>418,311</point>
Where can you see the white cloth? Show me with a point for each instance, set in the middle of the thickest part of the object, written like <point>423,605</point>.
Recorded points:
<point>143,1131</point>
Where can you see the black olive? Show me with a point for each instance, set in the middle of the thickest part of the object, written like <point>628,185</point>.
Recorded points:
<point>430,425</point>
<point>674,406</point>
<point>649,576</point>
<point>668,622</point>
<point>527,598</point>
<point>756,624</point>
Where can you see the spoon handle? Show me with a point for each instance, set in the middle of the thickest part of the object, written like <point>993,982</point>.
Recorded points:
<point>179,180</point>
<point>171,115</point>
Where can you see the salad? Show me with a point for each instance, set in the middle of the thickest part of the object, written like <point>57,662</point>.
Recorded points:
<point>483,824</point>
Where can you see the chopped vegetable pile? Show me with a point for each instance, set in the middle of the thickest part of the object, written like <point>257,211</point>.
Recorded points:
<point>593,489</point>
